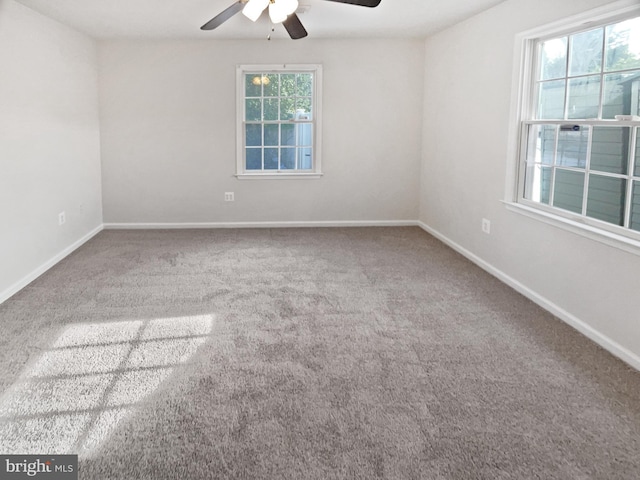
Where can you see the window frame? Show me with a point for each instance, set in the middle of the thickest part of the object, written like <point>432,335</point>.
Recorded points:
<point>316,121</point>
<point>524,98</point>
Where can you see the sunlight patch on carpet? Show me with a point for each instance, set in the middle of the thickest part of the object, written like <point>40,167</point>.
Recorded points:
<point>74,395</point>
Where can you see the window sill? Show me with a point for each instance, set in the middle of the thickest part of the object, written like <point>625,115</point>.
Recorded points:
<point>277,176</point>
<point>593,233</point>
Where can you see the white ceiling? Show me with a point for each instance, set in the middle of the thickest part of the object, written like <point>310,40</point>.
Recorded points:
<point>322,19</point>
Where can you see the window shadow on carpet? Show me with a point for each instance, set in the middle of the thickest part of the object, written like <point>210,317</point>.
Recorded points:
<point>94,376</point>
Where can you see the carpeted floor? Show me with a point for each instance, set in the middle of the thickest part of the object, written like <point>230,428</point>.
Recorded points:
<point>341,353</point>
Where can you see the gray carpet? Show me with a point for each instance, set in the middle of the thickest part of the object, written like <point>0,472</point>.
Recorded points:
<point>304,354</point>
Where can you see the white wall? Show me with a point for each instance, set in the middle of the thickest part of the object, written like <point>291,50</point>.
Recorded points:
<point>468,78</point>
<point>49,142</point>
<point>168,111</point>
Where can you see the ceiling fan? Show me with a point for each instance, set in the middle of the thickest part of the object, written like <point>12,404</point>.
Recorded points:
<point>280,11</point>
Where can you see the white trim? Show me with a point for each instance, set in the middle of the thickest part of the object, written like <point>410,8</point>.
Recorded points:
<point>277,176</point>
<point>575,225</point>
<point>583,20</point>
<point>605,342</point>
<point>288,224</point>
<point>520,79</point>
<point>598,123</point>
<point>26,280</point>
<point>279,67</point>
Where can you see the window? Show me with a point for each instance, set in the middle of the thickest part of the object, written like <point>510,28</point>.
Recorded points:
<point>278,121</point>
<point>579,123</point>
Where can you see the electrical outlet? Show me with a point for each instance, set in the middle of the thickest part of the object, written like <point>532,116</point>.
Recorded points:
<point>61,218</point>
<point>486,226</point>
<point>229,197</point>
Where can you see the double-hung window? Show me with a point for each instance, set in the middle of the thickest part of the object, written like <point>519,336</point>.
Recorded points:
<point>278,128</point>
<point>579,148</point>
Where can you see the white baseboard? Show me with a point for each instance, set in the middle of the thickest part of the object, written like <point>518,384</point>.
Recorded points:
<point>338,223</point>
<point>605,342</point>
<point>19,285</point>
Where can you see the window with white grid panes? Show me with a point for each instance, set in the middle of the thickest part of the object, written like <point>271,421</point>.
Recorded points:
<point>279,127</point>
<point>580,133</point>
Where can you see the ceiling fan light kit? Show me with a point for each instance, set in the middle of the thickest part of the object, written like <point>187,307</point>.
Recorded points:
<point>280,11</point>
<point>253,9</point>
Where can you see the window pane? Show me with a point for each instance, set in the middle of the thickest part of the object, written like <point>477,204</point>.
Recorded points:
<point>621,94</point>
<point>573,141</point>
<point>305,84</point>
<point>253,109</point>
<point>271,85</point>
<point>568,190</point>
<point>304,134</point>
<point>303,108</point>
<point>553,61</point>
<point>542,144</point>
<point>287,108</point>
<point>623,45</point>
<point>635,207</point>
<point>305,160</point>
<point>271,134</point>
<point>585,52</point>
<point>271,109</point>
<point>288,84</point>
<point>584,97</point>
<point>637,156</point>
<point>605,200</point>
<point>610,149</point>
<point>252,86</point>
<point>271,159</point>
<point>254,158</point>
<point>551,99</point>
<point>537,183</point>
<point>287,134</point>
<point>253,135</point>
<point>288,158</point>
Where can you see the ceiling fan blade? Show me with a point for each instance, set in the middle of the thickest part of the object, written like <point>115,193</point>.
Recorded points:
<point>294,27</point>
<point>223,16</point>
<point>362,3</point>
